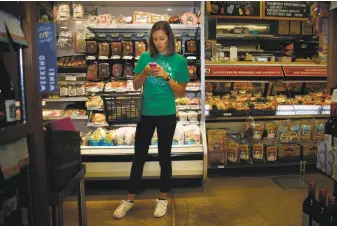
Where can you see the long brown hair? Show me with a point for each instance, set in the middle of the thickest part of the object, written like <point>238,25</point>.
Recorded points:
<point>165,26</point>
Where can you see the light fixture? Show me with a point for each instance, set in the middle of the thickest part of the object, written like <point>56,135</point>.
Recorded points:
<point>169,9</point>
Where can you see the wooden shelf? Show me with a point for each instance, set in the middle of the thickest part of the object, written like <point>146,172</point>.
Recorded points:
<point>13,133</point>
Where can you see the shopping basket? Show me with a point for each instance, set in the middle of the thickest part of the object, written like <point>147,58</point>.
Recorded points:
<point>122,107</point>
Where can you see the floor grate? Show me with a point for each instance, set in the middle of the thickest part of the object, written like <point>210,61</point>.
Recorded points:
<point>287,182</point>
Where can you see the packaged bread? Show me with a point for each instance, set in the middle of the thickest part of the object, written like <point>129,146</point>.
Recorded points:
<point>192,134</point>
<point>294,131</point>
<point>141,17</point>
<point>103,50</point>
<point>120,136</point>
<point>288,152</point>
<point>153,18</point>
<point>140,47</point>
<point>130,133</point>
<point>127,48</point>
<point>62,12</point>
<point>98,118</point>
<point>182,116</point>
<point>78,11</point>
<point>283,131</point>
<point>192,116</point>
<point>232,152</point>
<point>258,153</point>
<point>91,47</point>
<point>271,153</point>
<point>116,49</point>
<point>258,131</point>
<point>305,131</point>
<point>94,101</point>
<point>109,138</point>
<point>189,18</point>
<point>216,146</point>
<point>103,19</point>
<point>117,70</point>
<point>318,130</point>
<point>309,151</point>
<point>103,71</point>
<point>80,44</point>
<point>245,153</point>
<point>271,130</point>
<point>191,46</point>
<point>178,46</point>
<point>92,72</point>
<point>128,70</point>
<point>192,70</point>
<point>96,138</point>
<point>179,133</point>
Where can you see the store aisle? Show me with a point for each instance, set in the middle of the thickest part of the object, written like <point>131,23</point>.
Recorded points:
<point>222,201</point>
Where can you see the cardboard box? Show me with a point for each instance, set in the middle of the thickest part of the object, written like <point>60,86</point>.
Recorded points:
<point>290,152</point>
<point>306,28</point>
<point>295,27</point>
<point>283,27</point>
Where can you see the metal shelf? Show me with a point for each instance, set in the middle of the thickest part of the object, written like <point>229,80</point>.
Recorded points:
<point>255,165</point>
<point>127,150</point>
<point>138,27</point>
<point>66,99</point>
<point>263,117</point>
<point>49,118</point>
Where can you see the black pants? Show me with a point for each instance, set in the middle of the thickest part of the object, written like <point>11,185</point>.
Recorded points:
<point>165,130</point>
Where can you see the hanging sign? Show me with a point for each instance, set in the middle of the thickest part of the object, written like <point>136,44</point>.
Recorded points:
<point>306,71</point>
<point>286,10</point>
<point>46,57</point>
<point>246,71</point>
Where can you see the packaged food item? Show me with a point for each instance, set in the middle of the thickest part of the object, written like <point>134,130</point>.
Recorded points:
<point>232,152</point>
<point>94,86</point>
<point>192,134</point>
<point>154,140</point>
<point>117,70</point>
<point>140,47</point>
<point>91,47</point>
<point>103,71</point>
<point>62,12</point>
<point>189,18</point>
<point>306,130</point>
<point>191,46</point>
<point>178,46</point>
<point>128,70</point>
<point>103,50</point>
<point>98,118</point>
<point>103,19</point>
<point>109,138</point>
<point>96,138</point>
<point>295,131</point>
<point>248,128</point>
<point>192,116</point>
<point>116,49</point>
<point>309,151</point>
<point>271,130</point>
<point>282,131</point>
<point>178,138</point>
<point>72,90</point>
<point>258,131</point>
<point>192,70</point>
<point>245,153</point>
<point>127,48</point>
<point>94,102</point>
<point>92,72</point>
<point>78,11</point>
<point>141,17</point>
<point>64,92</point>
<point>216,146</point>
<point>290,152</point>
<point>318,130</point>
<point>65,39</point>
<point>80,90</point>
<point>130,133</point>
<point>92,20</point>
<point>258,153</point>
<point>271,153</point>
<point>174,20</point>
<point>182,116</point>
<point>120,136</point>
<point>80,44</point>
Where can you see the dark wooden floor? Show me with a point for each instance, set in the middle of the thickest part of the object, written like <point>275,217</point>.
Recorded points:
<point>242,201</point>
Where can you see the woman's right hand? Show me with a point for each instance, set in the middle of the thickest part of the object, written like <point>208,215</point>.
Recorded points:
<point>148,70</point>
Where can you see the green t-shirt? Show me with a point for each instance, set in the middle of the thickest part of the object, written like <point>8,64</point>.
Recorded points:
<point>158,97</point>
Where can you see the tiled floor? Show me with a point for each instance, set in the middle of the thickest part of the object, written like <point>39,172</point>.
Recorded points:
<point>241,201</point>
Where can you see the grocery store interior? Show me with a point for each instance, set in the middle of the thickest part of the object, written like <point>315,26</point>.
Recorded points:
<point>255,134</point>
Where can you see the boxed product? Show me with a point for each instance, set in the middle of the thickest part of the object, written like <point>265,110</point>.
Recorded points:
<point>309,151</point>
<point>216,147</point>
<point>290,152</point>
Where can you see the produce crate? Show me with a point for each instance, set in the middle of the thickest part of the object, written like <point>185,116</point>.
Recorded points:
<point>122,108</point>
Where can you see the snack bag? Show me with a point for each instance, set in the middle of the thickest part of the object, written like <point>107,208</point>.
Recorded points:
<point>96,138</point>
<point>282,131</point>
<point>258,131</point>
<point>306,130</point>
<point>109,138</point>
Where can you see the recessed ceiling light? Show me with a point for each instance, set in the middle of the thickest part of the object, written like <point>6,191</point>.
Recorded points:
<point>169,9</point>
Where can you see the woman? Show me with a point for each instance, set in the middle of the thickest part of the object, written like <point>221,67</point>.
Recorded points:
<point>163,74</point>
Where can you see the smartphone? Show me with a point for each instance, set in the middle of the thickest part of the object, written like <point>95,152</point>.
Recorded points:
<point>153,64</point>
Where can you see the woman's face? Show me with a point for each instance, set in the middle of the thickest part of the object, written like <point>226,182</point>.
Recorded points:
<point>160,40</point>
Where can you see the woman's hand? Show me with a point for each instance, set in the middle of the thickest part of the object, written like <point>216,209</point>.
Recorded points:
<point>148,70</point>
<point>160,72</point>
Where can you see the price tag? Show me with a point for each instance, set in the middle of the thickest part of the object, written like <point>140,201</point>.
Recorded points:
<point>115,57</point>
<point>191,34</point>
<point>191,57</point>
<point>43,103</point>
<point>114,35</point>
<point>221,167</point>
<point>91,58</point>
<point>139,35</point>
<point>71,77</point>
<point>103,58</point>
<point>227,114</point>
<point>127,57</point>
<point>103,35</point>
<point>127,35</point>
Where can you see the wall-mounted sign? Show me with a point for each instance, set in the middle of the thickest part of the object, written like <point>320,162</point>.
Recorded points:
<point>236,9</point>
<point>246,71</point>
<point>46,57</point>
<point>288,10</point>
<point>306,71</point>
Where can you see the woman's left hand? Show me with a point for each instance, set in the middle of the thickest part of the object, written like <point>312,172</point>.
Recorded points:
<point>160,72</point>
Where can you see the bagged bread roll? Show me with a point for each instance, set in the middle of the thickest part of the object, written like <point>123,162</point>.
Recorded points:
<point>179,133</point>
<point>120,136</point>
<point>192,134</point>
<point>130,133</point>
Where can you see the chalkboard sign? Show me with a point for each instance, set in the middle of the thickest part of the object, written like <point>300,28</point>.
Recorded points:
<point>287,10</point>
<point>236,9</point>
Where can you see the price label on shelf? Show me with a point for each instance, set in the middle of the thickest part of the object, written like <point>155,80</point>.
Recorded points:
<point>114,35</point>
<point>221,167</point>
<point>127,35</point>
<point>115,57</point>
<point>71,77</point>
<point>139,35</point>
<point>127,57</point>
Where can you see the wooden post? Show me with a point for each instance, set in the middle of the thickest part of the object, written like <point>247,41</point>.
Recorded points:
<point>36,139</point>
<point>332,49</point>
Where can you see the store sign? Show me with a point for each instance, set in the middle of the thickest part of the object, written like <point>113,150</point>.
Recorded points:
<point>46,57</point>
<point>306,71</point>
<point>287,9</point>
<point>246,71</point>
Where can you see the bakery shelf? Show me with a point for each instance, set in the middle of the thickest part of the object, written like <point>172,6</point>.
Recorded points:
<point>259,37</point>
<point>49,118</point>
<point>282,64</point>
<point>147,27</point>
<point>269,117</point>
<point>188,107</point>
<point>92,124</point>
<point>127,150</point>
<point>13,133</point>
<point>66,99</point>
<point>255,165</point>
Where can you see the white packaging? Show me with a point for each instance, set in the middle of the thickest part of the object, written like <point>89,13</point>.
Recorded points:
<point>130,133</point>
<point>233,53</point>
<point>192,134</point>
<point>192,116</point>
<point>179,134</point>
<point>120,136</point>
<point>182,116</point>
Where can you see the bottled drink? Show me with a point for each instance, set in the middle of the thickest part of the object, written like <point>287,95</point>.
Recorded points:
<point>329,215</point>
<point>319,208</point>
<point>308,205</point>
<point>7,98</point>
